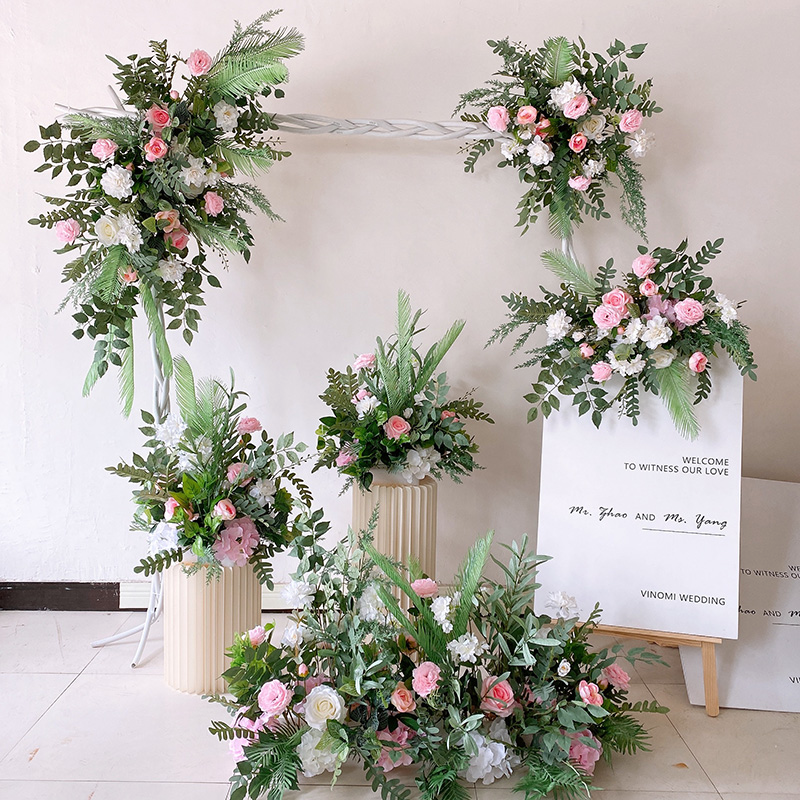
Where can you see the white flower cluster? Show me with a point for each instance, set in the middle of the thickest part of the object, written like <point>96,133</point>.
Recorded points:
<point>662,358</point>
<point>540,152</point>
<point>561,95</point>
<point>563,605</point>
<point>163,537</point>
<point>119,230</point>
<point>443,609</point>
<point>657,332</point>
<point>633,331</point>
<point>263,491</point>
<point>172,270</point>
<point>297,594</point>
<point>592,168</point>
<point>493,760</point>
<point>627,367</point>
<point>419,462</point>
<point>558,326</point>
<point>226,115</point>
<point>509,149</point>
<point>726,308</point>
<point>117,182</point>
<point>370,606</point>
<point>466,649</point>
<point>563,668</point>
<point>194,176</point>
<point>295,633</point>
<point>171,430</point>
<point>315,760</point>
<point>640,142</point>
<point>366,405</point>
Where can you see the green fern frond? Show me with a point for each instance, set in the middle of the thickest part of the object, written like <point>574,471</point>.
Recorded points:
<point>248,160</point>
<point>216,236</point>
<point>160,561</point>
<point>558,60</point>
<point>247,73</point>
<point>126,375</point>
<point>155,322</point>
<point>676,392</point>
<point>570,272</point>
<point>435,355</point>
<point>96,371</point>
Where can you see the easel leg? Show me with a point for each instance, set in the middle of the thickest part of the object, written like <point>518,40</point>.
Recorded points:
<point>709,655</point>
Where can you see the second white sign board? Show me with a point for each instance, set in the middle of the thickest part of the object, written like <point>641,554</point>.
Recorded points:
<point>643,521</point>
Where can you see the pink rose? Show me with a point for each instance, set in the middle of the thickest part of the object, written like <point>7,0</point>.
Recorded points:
<point>689,311</point>
<point>199,62</point>
<point>541,128</point>
<point>643,266</point>
<point>577,142</point>
<point>425,678</point>
<point>498,698</point>
<point>497,118</point>
<point>214,204</point>
<point>395,755</point>
<point>587,351</point>
<point>425,587</point>
<point>67,230</point>
<point>104,148</point>
<point>274,698</point>
<point>302,670</point>
<point>403,699</point>
<point>257,636</point>
<point>156,148</point>
<point>237,542</point>
<point>224,509</point>
<point>580,183</point>
<point>158,117</point>
<point>576,107</point>
<point>617,677</point>
<point>448,414</point>
<point>174,95</point>
<point>360,395</point>
<point>178,238</point>
<point>601,371</point>
<point>697,362</point>
<point>129,275</point>
<point>589,693</point>
<point>618,299</point>
<point>630,121</point>
<point>172,218</point>
<point>345,457</point>
<point>364,361</point>
<point>395,427</point>
<point>248,425</point>
<point>648,288</point>
<point>582,754</point>
<point>170,507</point>
<point>606,317</point>
<point>235,470</point>
<point>526,115</point>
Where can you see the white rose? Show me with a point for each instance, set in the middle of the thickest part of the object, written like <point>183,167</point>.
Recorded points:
<point>226,115</point>
<point>563,668</point>
<point>593,127</point>
<point>117,182</point>
<point>323,703</point>
<point>315,760</point>
<point>662,358</point>
<point>106,230</point>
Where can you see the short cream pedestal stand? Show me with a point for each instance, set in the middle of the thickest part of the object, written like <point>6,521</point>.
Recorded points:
<point>200,620</point>
<point>407,517</point>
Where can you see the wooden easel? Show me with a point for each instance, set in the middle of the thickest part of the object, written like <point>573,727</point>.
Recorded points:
<point>707,645</point>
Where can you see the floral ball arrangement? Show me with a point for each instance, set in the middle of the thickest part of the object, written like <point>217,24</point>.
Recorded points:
<point>570,120</point>
<point>214,486</point>
<point>469,686</point>
<point>656,328</point>
<point>158,188</point>
<point>390,411</point>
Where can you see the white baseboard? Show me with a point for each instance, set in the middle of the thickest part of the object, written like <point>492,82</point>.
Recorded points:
<point>136,594</point>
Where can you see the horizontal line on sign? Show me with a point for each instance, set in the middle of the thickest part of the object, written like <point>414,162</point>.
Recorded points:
<point>689,533</point>
<point>793,624</point>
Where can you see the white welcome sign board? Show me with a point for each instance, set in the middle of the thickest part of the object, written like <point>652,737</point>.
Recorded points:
<point>762,669</point>
<point>643,521</point>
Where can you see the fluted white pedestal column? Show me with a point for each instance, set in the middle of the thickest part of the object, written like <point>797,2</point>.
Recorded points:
<point>407,521</point>
<point>200,620</point>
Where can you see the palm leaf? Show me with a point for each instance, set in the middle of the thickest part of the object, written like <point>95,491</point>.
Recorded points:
<point>247,73</point>
<point>155,323</point>
<point>388,375</point>
<point>184,388</point>
<point>676,393</point>
<point>405,350</point>
<point>558,60</point>
<point>435,355</point>
<point>248,160</point>
<point>282,43</point>
<point>468,580</point>
<point>570,272</point>
<point>107,285</point>
<point>125,375</point>
<point>216,236</point>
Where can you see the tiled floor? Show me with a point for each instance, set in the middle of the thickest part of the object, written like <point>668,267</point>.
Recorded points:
<point>79,724</point>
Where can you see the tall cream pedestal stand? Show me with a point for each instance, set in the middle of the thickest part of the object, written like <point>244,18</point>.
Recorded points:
<point>407,517</point>
<point>200,620</point>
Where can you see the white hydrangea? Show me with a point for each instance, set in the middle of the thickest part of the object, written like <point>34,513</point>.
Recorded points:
<point>295,633</point>
<point>263,491</point>
<point>558,326</point>
<point>657,332</point>
<point>540,152</point>
<point>129,233</point>
<point>117,182</point>
<point>297,594</point>
<point>563,605</point>
<point>662,358</point>
<point>625,367</point>
<point>172,270</point>
<point>561,95</point>
<point>726,308</point>
<point>171,430</point>
<point>594,167</point>
<point>633,331</point>
<point>466,649</point>
<point>419,462</point>
<point>563,668</point>
<point>163,537</point>
<point>510,149</point>
<point>226,115</point>
<point>493,760</point>
<point>640,142</point>
<point>366,405</point>
<point>194,176</point>
<point>313,759</point>
<point>370,606</point>
<point>443,609</point>
<point>594,128</point>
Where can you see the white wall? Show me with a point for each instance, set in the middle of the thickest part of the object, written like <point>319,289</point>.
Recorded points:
<point>364,217</point>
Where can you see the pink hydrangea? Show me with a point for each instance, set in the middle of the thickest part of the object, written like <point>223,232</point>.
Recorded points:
<point>590,693</point>
<point>399,739</point>
<point>364,361</point>
<point>345,457</point>
<point>425,678</point>
<point>617,677</point>
<point>698,362</point>
<point>630,121</point>
<point>104,149</point>
<point>643,266</point>
<point>660,306</point>
<point>576,107</point>
<point>248,425</point>
<point>274,698</point>
<point>601,371</point>
<point>238,744</point>
<point>582,754</point>
<point>236,543</point>
<point>67,230</point>
<point>214,204</point>
<point>580,183</point>
<point>425,587</point>
<point>199,62</point>
<point>689,311</point>
<point>497,118</point>
<point>497,697</point>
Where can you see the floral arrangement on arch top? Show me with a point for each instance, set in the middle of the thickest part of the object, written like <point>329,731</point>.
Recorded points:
<point>468,686</point>
<point>657,328</point>
<point>158,188</point>
<point>214,493</point>
<point>572,119</point>
<point>390,411</point>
